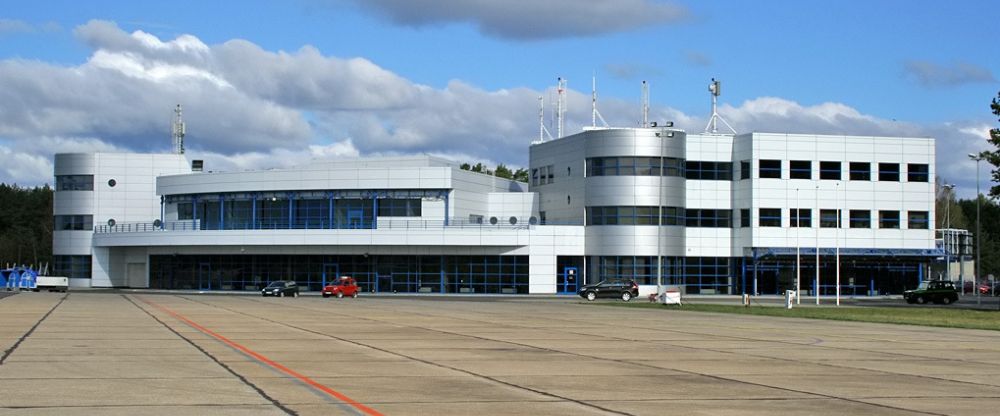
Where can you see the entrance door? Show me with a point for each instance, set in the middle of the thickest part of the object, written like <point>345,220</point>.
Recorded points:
<point>566,283</point>
<point>331,272</point>
<point>204,276</point>
<point>383,282</point>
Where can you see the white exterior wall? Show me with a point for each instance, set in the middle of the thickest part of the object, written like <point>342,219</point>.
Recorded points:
<point>815,194</point>
<point>132,198</point>
<point>708,194</point>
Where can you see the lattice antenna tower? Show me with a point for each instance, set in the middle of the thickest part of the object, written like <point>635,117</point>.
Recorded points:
<point>542,131</point>
<point>560,106</point>
<point>645,104</point>
<point>177,131</point>
<point>594,114</point>
<point>712,127</point>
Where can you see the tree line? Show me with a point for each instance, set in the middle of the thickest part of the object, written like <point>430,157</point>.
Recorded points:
<point>25,225</point>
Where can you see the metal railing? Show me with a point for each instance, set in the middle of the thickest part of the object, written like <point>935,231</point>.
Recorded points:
<point>382,223</point>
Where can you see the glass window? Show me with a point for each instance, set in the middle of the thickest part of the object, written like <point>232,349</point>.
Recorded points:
<point>917,172</point>
<point>391,207</point>
<point>534,175</point>
<point>75,182</point>
<point>800,169</point>
<point>888,172</point>
<point>861,171</point>
<point>626,215</point>
<point>185,211</point>
<point>800,217</point>
<point>744,169</point>
<point>769,169</point>
<point>770,217</point>
<point>888,219</point>
<point>745,218</point>
<point>860,218</point>
<point>829,170</point>
<point>709,218</point>
<point>715,171</point>
<point>829,218</point>
<point>917,220</point>
<point>74,222</point>
<point>74,267</point>
<point>633,166</point>
<point>552,173</point>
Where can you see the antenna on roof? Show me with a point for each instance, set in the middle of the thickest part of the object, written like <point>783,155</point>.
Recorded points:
<point>177,131</point>
<point>716,89</point>
<point>542,131</point>
<point>560,107</point>
<point>593,101</point>
<point>645,104</point>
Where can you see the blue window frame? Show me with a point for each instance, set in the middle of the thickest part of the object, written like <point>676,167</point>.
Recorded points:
<point>829,170</point>
<point>888,172</point>
<point>312,213</point>
<point>707,170</point>
<point>888,219</point>
<point>918,220</point>
<point>801,217</point>
<point>709,218</point>
<point>626,215</point>
<point>861,171</point>
<point>74,182</point>
<point>860,218</point>
<point>769,217</point>
<point>800,169</point>
<point>769,168</point>
<point>634,166</point>
<point>917,172</point>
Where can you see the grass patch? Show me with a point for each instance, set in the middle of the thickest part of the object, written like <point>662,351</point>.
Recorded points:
<point>949,318</point>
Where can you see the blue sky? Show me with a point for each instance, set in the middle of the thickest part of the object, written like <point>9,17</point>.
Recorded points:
<point>314,78</point>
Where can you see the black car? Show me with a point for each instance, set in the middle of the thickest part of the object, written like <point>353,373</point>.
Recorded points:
<point>937,291</point>
<point>624,289</point>
<point>281,288</point>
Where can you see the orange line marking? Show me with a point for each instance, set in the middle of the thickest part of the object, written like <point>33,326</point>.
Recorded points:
<point>340,396</point>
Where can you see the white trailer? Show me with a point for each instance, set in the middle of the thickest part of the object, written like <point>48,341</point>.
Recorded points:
<point>52,283</point>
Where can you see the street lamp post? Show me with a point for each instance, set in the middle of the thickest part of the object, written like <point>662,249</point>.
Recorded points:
<point>947,236</point>
<point>798,253</point>
<point>979,239</point>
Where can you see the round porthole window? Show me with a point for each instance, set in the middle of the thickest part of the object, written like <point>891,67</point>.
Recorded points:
<point>111,222</point>
<point>513,220</point>
<point>112,183</point>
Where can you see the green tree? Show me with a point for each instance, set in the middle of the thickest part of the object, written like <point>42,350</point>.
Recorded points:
<point>504,172</point>
<point>25,225</point>
<point>465,166</point>
<point>993,157</point>
<point>521,175</point>
<point>949,213</point>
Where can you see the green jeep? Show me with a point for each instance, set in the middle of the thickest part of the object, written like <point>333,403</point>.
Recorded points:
<point>937,291</point>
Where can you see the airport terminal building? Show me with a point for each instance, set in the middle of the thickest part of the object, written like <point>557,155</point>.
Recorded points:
<point>718,214</point>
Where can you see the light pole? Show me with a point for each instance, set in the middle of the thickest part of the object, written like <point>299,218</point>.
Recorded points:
<point>947,235</point>
<point>817,247</point>
<point>798,253</point>
<point>979,268</point>
<point>837,240</point>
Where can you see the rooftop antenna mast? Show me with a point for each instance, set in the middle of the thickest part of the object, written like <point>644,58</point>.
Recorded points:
<point>645,104</point>
<point>542,131</point>
<point>560,106</point>
<point>177,131</point>
<point>712,127</point>
<point>593,101</point>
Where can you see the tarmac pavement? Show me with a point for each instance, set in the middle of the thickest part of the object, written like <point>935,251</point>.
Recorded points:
<point>160,353</point>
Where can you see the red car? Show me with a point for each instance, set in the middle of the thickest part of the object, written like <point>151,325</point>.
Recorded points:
<point>345,286</point>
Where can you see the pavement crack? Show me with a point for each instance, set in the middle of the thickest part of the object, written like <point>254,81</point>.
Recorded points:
<point>239,376</point>
<point>12,348</point>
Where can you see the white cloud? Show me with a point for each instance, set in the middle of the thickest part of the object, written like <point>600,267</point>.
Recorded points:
<point>531,19</point>
<point>249,108</point>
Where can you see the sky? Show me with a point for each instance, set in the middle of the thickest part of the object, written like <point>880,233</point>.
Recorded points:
<point>271,84</point>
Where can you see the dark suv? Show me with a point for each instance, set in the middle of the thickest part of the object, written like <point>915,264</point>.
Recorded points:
<point>624,289</point>
<point>937,291</point>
